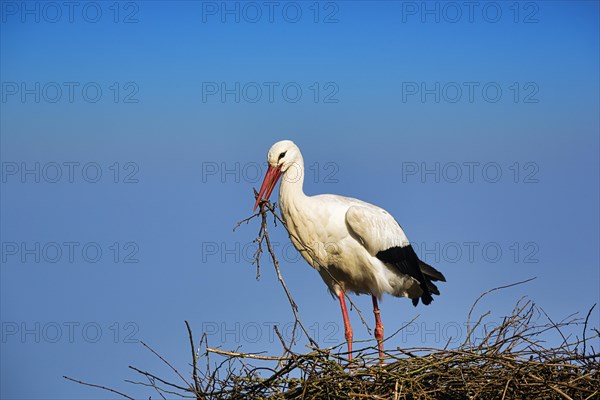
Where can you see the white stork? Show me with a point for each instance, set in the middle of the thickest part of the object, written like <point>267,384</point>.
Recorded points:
<point>355,246</point>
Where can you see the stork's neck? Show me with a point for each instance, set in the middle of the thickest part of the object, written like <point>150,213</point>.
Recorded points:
<point>292,181</point>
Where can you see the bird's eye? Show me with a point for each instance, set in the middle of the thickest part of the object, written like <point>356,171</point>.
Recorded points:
<point>281,155</point>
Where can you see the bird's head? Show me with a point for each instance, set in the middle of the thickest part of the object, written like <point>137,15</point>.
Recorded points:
<point>282,157</point>
<point>283,154</point>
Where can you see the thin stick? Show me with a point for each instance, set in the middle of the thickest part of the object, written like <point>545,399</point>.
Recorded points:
<point>488,292</point>
<point>160,379</point>
<point>585,326</point>
<point>99,387</point>
<point>246,355</point>
<point>194,361</point>
<point>166,362</point>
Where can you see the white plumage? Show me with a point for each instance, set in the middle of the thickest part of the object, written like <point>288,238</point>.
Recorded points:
<point>355,246</point>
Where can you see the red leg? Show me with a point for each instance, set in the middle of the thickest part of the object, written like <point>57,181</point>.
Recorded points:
<point>347,326</point>
<point>378,327</point>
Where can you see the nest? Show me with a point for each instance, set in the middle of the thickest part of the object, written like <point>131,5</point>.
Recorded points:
<point>509,362</point>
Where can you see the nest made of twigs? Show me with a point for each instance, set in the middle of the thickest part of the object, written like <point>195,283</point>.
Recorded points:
<point>508,362</point>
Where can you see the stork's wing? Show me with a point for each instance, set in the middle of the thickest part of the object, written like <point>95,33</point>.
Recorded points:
<point>375,228</point>
<point>383,238</point>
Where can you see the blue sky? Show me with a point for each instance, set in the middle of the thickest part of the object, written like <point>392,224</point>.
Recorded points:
<point>132,136</point>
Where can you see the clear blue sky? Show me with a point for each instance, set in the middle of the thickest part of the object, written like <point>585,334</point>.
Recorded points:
<point>132,136</point>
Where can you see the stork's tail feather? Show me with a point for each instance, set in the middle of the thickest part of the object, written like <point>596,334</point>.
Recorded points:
<point>431,272</point>
<point>431,275</point>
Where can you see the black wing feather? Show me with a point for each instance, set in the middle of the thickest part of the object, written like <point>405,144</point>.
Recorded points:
<point>407,262</point>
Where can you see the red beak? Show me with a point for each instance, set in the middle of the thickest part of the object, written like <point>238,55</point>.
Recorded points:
<point>271,178</point>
